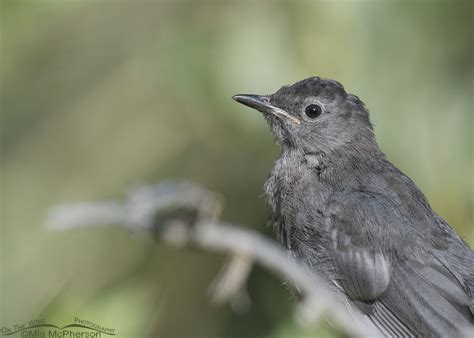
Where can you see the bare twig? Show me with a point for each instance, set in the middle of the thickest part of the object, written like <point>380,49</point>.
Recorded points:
<point>229,285</point>
<point>195,221</point>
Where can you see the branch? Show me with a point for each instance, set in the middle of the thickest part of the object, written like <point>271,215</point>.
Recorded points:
<point>183,213</point>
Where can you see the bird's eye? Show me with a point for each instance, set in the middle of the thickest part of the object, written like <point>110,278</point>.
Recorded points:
<point>313,111</point>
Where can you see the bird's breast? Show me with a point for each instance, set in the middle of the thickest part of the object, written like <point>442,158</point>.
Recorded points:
<point>296,197</point>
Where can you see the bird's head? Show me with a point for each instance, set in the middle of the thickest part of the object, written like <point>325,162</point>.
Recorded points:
<point>314,115</point>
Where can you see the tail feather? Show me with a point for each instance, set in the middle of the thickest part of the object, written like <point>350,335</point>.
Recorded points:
<point>423,302</point>
<point>388,323</point>
<point>436,312</point>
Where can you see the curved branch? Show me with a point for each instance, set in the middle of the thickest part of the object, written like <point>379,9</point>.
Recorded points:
<point>144,206</point>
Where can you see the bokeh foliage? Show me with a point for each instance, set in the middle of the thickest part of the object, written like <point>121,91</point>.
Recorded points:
<point>97,96</point>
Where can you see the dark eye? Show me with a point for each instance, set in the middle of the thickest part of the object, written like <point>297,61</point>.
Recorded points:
<point>313,111</point>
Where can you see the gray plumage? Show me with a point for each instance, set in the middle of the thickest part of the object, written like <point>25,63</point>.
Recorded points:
<point>351,215</point>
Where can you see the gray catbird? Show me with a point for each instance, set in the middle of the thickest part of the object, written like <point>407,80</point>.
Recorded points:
<point>351,215</point>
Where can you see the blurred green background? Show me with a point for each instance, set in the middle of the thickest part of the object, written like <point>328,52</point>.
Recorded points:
<point>97,96</point>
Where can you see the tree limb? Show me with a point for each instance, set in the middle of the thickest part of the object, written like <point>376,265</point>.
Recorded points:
<point>184,213</point>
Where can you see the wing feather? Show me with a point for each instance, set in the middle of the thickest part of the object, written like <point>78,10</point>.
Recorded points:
<point>401,295</point>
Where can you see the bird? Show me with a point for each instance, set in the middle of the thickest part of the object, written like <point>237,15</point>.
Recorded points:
<point>354,218</point>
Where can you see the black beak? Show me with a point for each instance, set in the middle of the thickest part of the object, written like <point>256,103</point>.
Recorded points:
<point>262,104</point>
<point>258,102</point>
